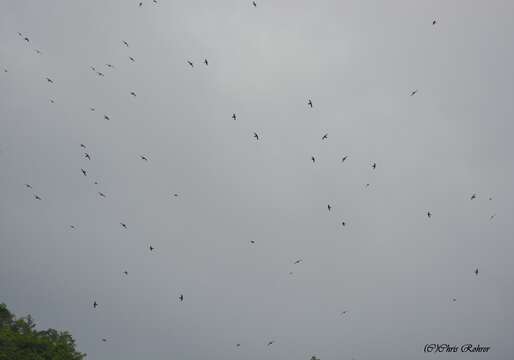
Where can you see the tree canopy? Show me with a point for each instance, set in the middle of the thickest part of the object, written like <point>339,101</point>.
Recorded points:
<point>19,340</point>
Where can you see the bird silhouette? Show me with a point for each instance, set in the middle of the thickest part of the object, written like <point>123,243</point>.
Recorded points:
<point>374,166</point>
<point>344,158</point>
<point>473,197</point>
<point>254,4</point>
<point>92,109</point>
<point>132,59</point>
<point>26,39</point>
<point>329,207</point>
<point>72,227</point>
<point>102,194</point>
<point>343,223</point>
<point>52,101</point>
<point>133,94</point>
<point>234,116</point>
<point>476,271</point>
<point>104,339</point>
<point>256,136</point>
<point>434,22</point>
<point>95,304</point>
<point>123,225</point>
<point>367,185</point>
<point>238,345</point>
<point>83,172</point>
<point>87,156</point>
<point>181,297</point>
<point>151,248</point>
<point>271,342</point>
<point>324,137</point>
<point>313,159</point>
<point>453,299</point>
<point>175,195</point>
<point>28,186</point>
<point>344,312</point>
<point>110,66</point>
<point>107,117</point>
<point>252,241</point>
<point>140,4</point>
<point>125,43</point>
<point>143,157</point>
<point>414,92</point>
<point>83,146</point>
<point>37,197</point>
<point>298,261</point>
<point>125,272</point>
<point>37,51</point>
<point>49,80</point>
<point>100,73</point>
<point>206,62</point>
<point>429,214</point>
<point>492,216</point>
<point>310,103</point>
<point>190,63</point>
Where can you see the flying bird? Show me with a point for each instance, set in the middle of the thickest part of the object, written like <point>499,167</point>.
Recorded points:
<point>151,248</point>
<point>140,4</point>
<point>434,22</point>
<point>298,261</point>
<point>329,207</point>
<point>234,116</point>
<point>344,158</point>
<point>343,223</point>
<point>83,172</point>
<point>492,216</point>
<point>324,137</point>
<point>414,92</point>
<point>252,241</point>
<point>28,186</point>
<point>476,271</point>
<point>100,73</point>
<point>206,62</point>
<point>238,345</point>
<point>37,197</point>
<point>310,103</point>
<point>133,94</point>
<point>125,43</point>
<point>110,66</point>
<point>87,156</point>
<point>83,146</point>
<point>254,4</point>
<point>95,304</point>
<point>107,117</point>
<point>143,157</point>
<point>132,59</point>
<point>49,80</point>
<point>26,39</point>
<point>313,159</point>
<point>92,109</point>
<point>344,312</point>
<point>52,101</point>
<point>125,272</point>
<point>37,51</point>
<point>190,63</point>
<point>102,194</point>
<point>271,342</point>
<point>374,166</point>
<point>429,214</point>
<point>123,225</point>
<point>72,227</point>
<point>473,197</point>
<point>104,339</point>
<point>176,195</point>
<point>454,299</point>
<point>255,135</point>
<point>181,297</point>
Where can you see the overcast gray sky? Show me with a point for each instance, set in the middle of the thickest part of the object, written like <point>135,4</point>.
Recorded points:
<point>391,267</point>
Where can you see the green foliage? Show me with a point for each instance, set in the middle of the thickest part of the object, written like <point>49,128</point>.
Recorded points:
<point>20,341</point>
